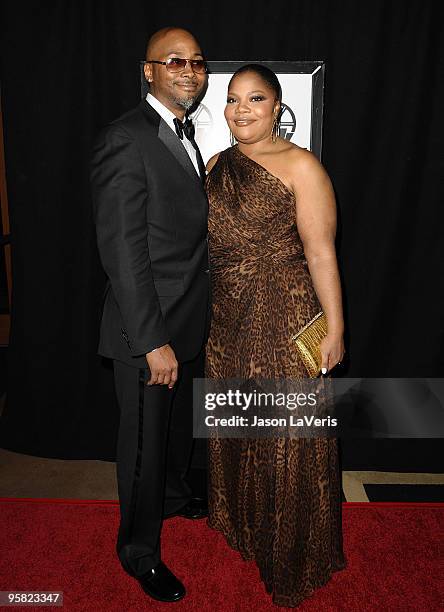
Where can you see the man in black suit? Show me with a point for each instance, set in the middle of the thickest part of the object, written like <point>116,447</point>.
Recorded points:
<point>151,217</point>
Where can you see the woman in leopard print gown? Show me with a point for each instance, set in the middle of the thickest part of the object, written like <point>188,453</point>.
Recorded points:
<point>278,500</point>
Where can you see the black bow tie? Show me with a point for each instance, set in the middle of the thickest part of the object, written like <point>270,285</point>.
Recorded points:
<point>186,128</point>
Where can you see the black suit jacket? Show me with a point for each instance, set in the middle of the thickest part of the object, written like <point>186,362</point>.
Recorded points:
<point>150,211</point>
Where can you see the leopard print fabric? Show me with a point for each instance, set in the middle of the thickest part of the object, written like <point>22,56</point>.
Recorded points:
<point>277,501</point>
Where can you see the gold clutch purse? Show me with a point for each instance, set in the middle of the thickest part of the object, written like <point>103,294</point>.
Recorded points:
<point>308,341</point>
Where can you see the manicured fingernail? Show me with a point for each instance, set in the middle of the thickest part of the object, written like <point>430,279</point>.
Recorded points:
<point>324,370</point>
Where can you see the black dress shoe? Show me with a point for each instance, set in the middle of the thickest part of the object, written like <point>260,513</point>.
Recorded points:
<point>196,508</point>
<point>161,584</point>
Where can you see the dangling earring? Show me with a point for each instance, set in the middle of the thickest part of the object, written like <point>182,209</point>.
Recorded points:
<point>233,140</point>
<point>275,130</point>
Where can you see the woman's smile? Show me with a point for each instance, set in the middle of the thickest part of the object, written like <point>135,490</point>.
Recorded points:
<point>243,122</point>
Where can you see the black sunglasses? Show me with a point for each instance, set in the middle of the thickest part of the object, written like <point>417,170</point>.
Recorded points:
<point>177,64</point>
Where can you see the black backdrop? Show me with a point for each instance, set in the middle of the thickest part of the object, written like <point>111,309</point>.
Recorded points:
<point>69,66</point>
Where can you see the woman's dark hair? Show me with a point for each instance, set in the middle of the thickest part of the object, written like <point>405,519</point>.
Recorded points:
<point>267,75</point>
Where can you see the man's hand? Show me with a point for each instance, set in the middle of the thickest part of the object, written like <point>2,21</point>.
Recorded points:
<point>163,366</point>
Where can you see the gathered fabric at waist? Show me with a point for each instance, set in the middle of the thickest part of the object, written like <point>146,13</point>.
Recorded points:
<point>253,256</point>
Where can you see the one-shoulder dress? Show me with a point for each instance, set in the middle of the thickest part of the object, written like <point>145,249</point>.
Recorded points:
<point>276,500</point>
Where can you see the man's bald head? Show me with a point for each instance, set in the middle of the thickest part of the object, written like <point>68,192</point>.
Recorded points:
<point>163,38</point>
<point>179,89</point>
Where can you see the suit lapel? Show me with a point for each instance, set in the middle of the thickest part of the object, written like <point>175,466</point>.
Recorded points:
<point>171,141</point>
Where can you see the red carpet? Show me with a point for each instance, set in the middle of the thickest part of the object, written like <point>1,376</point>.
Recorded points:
<point>394,553</point>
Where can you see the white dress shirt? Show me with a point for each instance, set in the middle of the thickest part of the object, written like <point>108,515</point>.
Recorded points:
<point>169,117</point>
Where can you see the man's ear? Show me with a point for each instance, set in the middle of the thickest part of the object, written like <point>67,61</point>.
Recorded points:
<point>148,72</point>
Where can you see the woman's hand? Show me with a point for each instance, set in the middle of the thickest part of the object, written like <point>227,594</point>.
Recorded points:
<point>332,351</point>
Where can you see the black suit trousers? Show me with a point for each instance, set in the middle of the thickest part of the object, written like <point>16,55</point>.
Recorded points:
<point>154,448</point>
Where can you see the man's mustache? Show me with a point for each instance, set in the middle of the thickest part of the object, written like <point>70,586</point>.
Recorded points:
<point>187,82</point>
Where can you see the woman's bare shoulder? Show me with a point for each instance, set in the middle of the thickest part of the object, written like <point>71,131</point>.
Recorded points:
<point>303,162</point>
<point>300,155</point>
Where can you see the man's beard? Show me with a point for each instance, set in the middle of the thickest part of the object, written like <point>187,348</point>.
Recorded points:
<point>185,103</point>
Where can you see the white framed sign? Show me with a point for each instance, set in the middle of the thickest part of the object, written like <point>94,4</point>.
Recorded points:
<point>302,100</point>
